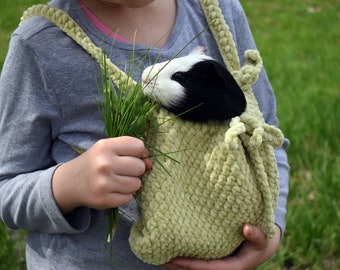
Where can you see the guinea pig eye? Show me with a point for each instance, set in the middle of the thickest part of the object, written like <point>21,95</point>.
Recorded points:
<point>178,76</point>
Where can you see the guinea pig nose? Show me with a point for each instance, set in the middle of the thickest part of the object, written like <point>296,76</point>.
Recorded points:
<point>147,75</point>
<point>144,76</point>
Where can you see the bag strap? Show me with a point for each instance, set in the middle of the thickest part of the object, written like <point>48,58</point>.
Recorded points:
<point>221,33</point>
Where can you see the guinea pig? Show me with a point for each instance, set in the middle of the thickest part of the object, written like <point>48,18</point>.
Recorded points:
<point>194,87</point>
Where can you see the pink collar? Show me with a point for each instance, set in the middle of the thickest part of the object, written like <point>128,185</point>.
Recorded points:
<point>100,25</point>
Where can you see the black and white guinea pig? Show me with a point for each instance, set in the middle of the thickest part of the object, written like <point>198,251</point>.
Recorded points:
<point>195,87</point>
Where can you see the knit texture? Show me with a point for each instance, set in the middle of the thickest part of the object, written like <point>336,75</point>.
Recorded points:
<point>226,173</point>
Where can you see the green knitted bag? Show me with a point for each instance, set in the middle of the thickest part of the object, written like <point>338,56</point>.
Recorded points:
<point>226,178</point>
<point>229,177</point>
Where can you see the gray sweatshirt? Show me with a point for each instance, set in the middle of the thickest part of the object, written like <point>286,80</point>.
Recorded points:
<point>47,103</point>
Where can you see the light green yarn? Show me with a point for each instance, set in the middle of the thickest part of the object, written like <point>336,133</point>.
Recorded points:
<point>227,176</point>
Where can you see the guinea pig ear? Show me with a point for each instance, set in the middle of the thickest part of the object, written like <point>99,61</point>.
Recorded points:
<point>215,73</point>
<point>235,97</point>
<point>224,75</point>
<point>199,50</point>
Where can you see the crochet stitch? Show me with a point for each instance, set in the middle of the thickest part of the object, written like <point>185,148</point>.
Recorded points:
<point>227,176</point>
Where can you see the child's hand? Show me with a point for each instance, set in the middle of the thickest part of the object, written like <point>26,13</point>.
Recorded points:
<point>105,176</point>
<point>253,252</point>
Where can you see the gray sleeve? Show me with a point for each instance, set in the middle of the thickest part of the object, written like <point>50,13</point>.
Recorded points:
<point>28,125</point>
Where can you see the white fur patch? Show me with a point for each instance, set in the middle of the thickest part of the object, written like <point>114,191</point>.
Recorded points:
<point>157,82</point>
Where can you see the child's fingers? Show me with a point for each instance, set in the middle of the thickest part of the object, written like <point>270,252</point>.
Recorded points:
<point>114,200</point>
<point>126,185</point>
<point>255,236</point>
<point>148,163</point>
<point>128,146</point>
<point>128,166</point>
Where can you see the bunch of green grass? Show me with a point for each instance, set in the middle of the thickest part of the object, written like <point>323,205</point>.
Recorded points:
<point>126,111</point>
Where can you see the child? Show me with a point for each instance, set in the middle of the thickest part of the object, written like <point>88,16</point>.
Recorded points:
<point>47,103</point>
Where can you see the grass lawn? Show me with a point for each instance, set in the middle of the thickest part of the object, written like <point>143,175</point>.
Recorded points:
<point>299,42</point>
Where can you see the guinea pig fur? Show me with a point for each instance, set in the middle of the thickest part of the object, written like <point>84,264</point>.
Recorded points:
<point>194,87</point>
